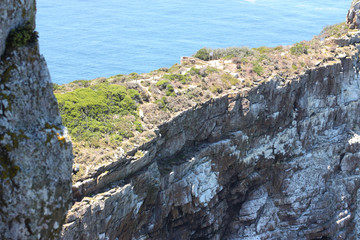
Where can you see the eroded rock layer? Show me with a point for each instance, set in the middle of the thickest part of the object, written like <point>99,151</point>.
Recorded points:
<point>353,16</point>
<point>35,162</point>
<point>278,161</point>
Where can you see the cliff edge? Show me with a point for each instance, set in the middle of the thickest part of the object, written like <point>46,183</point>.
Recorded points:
<point>35,156</point>
<point>276,160</point>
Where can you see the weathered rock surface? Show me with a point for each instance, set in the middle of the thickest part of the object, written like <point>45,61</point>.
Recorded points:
<point>278,161</point>
<point>353,16</point>
<point>35,167</point>
<point>12,14</point>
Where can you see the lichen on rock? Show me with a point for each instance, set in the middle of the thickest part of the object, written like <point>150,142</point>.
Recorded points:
<point>35,169</point>
<point>353,16</point>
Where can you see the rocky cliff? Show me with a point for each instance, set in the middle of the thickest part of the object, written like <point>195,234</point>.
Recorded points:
<point>353,16</point>
<point>35,157</point>
<point>276,161</point>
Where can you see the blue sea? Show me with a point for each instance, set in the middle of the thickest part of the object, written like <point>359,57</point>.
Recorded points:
<point>86,39</point>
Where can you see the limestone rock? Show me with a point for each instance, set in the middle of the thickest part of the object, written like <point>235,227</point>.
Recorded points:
<point>35,168</point>
<point>353,16</point>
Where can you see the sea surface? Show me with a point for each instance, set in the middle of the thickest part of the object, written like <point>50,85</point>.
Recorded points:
<point>86,39</point>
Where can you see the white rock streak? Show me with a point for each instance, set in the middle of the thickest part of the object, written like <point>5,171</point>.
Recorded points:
<point>204,183</point>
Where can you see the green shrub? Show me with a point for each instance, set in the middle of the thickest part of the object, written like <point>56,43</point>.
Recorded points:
<point>225,53</point>
<point>56,86</point>
<point>81,83</point>
<point>178,77</point>
<point>162,84</point>
<point>194,71</point>
<point>228,79</point>
<point>116,139</point>
<point>244,60</point>
<point>134,76</point>
<point>138,126</point>
<point>170,90</point>
<point>211,70</point>
<point>294,67</point>
<point>257,68</point>
<point>263,49</point>
<point>163,103</point>
<point>335,30</point>
<point>98,111</point>
<point>203,54</point>
<point>298,49</point>
<point>216,89</point>
<point>174,68</point>
<point>21,36</point>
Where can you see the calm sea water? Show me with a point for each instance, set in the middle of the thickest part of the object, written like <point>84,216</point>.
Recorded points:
<point>85,39</point>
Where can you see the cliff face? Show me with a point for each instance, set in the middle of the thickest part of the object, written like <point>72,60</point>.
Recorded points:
<point>278,161</point>
<point>35,167</point>
<point>12,14</point>
<point>353,16</point>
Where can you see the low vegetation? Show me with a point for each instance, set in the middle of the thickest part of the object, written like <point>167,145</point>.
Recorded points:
<point>22,36</point>
<point>101,113</point>
<point>299,48</point>
<point>107,116</point>
<point>227,53</point>
<point>336,30</point>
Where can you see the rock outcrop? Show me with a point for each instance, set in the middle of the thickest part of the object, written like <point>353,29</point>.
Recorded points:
<point>277,161</point>
<point>35,162</point>
<point>353,16</point>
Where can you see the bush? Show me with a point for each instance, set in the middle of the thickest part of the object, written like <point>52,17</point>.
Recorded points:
<point>216,89</point>
<point>162,84</point>
<point>228,79</point>
<point>162,103</point>
<point>178,77</point>
<point>170,90</point>
<point>194,71</point>
<point>134,76</point>
<point>298,49</point>
<point>203,54</point>
<point>81,83</point>
<point>334,30</point>
<point>174,68</point>
<point>211,70</point>
<point>263,49</point>
<point>56,86</point>
<point>102,110</point>
<point>257,68</point>
<point>22,36</point>
<point>226,53</point>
